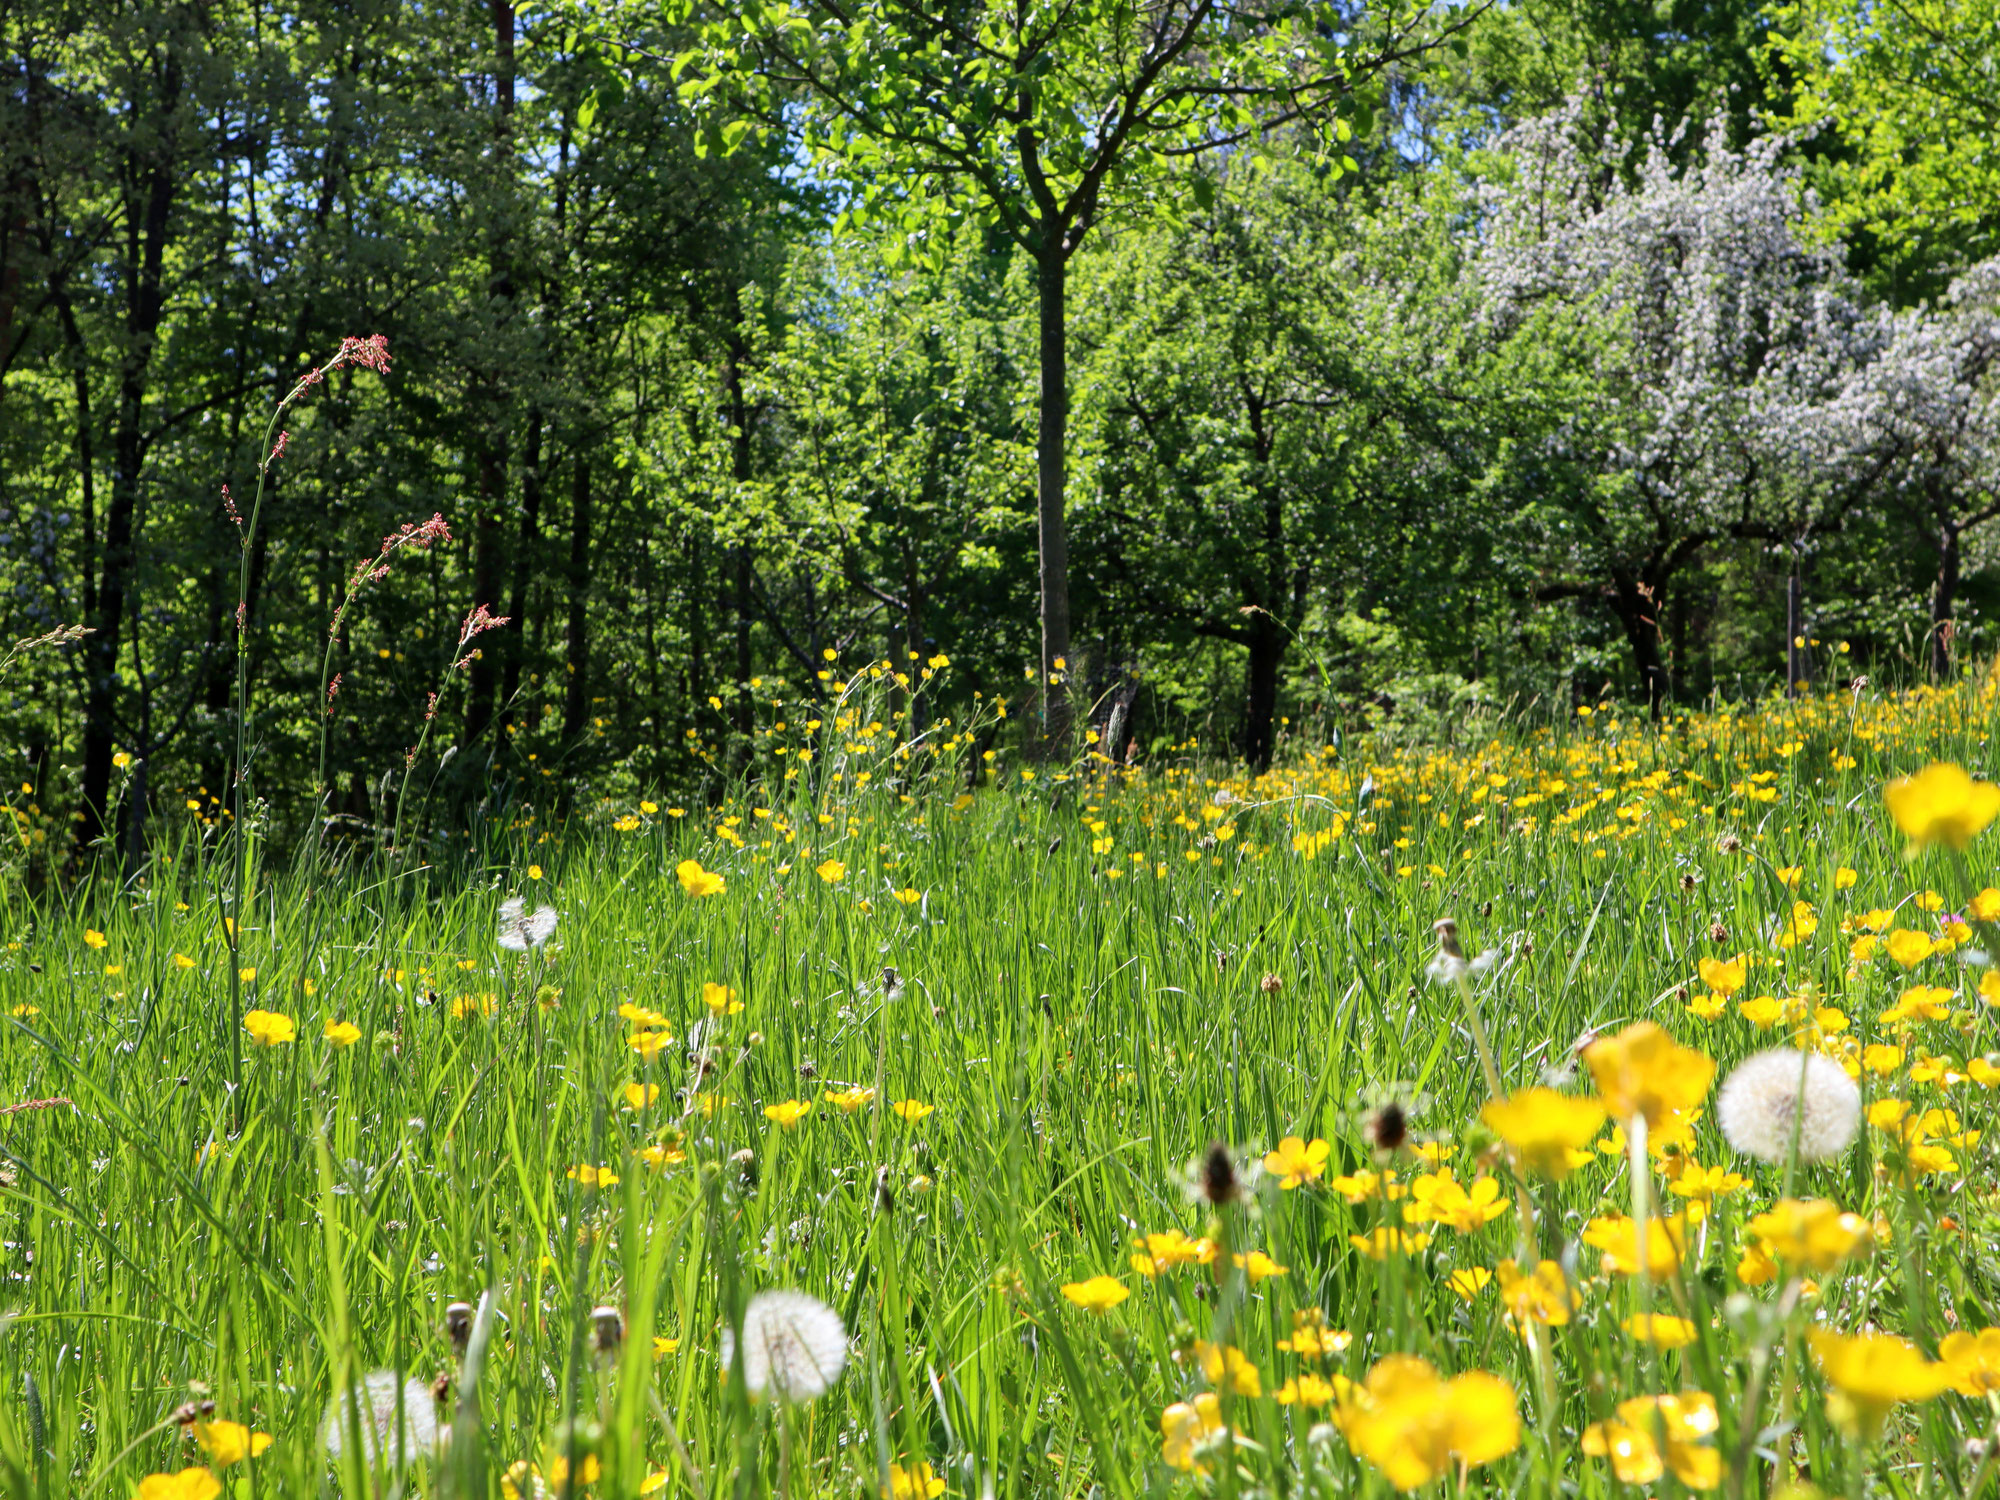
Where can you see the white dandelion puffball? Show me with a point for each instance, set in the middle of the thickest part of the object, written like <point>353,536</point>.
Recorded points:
<point>397,1419</point>
<point>794,1346</point>
<point>521,929</point>
<point>1767,1092</point>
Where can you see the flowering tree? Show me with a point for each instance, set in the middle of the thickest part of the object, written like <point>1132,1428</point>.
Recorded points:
<point>1678,349</point>
<point>1922,418</point>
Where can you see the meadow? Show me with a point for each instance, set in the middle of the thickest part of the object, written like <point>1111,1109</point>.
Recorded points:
<point>1142,1129</point>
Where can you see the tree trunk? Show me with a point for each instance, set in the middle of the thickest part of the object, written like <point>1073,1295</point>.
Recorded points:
<point>1051,435</point>
<point>1944,596</point>
<point>1798,658</point>
<point>1635,613</point>
<point>743,601</point>
<point>1260,711</point>
<point>146,244</point>
<point>576,701</point>
<point>490,404</point>
<point>524,562</point>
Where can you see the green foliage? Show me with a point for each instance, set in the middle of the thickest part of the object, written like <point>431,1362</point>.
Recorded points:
<point>1906,95</point>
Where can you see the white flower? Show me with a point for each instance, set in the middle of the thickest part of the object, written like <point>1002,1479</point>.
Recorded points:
<point>520,929</point>
<point>393,1414</point>
<point>1765,1094</point>
<point>794,1346</point>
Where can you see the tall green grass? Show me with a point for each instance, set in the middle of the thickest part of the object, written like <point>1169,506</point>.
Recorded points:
<point>172,1236</point>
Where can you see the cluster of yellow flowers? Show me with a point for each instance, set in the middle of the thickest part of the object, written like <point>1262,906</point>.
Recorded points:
<point>1788,1106</point>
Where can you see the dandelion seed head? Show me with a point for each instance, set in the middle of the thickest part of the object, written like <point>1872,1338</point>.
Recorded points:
<point>1761,1099</point>
<point>794,1346</point>
<point>521,929</point>
<point>397,1419</point>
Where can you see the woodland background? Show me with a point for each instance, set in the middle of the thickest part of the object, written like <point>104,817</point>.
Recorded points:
<point>1536,353</point>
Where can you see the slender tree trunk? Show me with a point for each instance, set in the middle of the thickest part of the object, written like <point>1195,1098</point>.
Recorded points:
<point>697,670</point>
<point>1944,597</point>
<point>1798,657</point>
<point>576,700</point>
<point>1260,712</point>
<point>1051,437</point>
<point>743,602</point>
<point>1636,614</point>
<point>146,244</point>
<point>490,404</point>
<point>525,548</point>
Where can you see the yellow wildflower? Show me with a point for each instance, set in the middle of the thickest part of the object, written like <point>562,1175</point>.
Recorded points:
<point>1941,804</point>
<point>1098,1294</point>
<point>1642,1071</point>
<point>1296,1161</point>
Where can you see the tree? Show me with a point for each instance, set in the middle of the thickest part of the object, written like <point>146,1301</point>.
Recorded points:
<point>1908,91</point>
<point>1679,346</point>
<point>1922,419</point>
<point>1268,388</point>
<point>1043,120</point>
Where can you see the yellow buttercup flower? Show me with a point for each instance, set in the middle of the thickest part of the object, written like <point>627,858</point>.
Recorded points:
<point>188,1484</point>
<point>1469,1281</point>
<point>1417,1428</point>
<point>698,882</point>
<point>1662,1330</point>
<point>1910,948</point>
<point>720,999</point>
<point>92,938</point>
<point>1228,1369</point>
<point>1644,1071</point>
<point>228,1443</point>
<point>1540,1296</point>
<point>1258,1267</point>
<point>641,1095</point>
<point>787,1114</point>
<point>1160,1253</point>
<point>1385,1242</point>
<point>268,1028</point>
<point>1188,1425</point>
<point>1296,1161</point>
<point>1098,1294</point>
<point>1705,1184</point>
<point>1632,1443</point>
<point>593,1177</point>
<point>1617,1237</point>
<point>1974,1360</point>
<point>649,1044</point>
<point>832,871</point>
<point>1872,1372</point>
<point>1306,1390</point>
<point>917,1482</point>
<point>848,1101</point>
<point>1920,1002</point>
<point>1941,804</point>
<point>342,1033</point>
<point>1545,1127</point>
<point>1438,1197</point>
<point>1724,975</point>
<point>911,1110</point>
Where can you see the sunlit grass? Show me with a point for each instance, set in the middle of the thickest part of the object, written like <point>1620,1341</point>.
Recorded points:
<point>945,1060</point>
